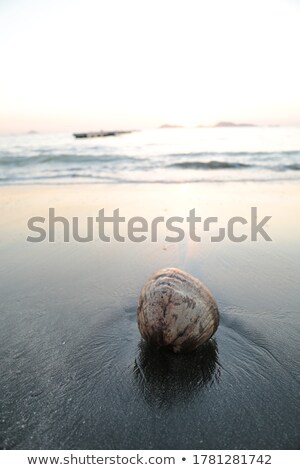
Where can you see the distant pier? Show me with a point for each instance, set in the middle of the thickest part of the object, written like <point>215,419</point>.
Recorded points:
<point>89,135</point>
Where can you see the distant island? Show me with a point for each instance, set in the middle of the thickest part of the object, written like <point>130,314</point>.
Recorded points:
<point>170,126</point>
<point>230,124</point>
<point>218,124</point>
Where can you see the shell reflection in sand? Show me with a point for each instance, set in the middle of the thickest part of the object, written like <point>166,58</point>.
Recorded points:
<point>165,378</point>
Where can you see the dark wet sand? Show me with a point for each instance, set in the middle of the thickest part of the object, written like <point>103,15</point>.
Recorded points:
<point>74,371</point>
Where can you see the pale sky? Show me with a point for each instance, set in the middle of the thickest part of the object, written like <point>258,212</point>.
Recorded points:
<point>78,65</point>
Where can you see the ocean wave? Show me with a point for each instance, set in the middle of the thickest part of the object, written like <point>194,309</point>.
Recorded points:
<point>212,165</point>
<point>92,179</point>
<point>292,166</point>
<point>282,153</point>
<point>63,159</point>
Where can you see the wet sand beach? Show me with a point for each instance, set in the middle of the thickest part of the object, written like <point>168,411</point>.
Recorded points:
<point>75,373</point>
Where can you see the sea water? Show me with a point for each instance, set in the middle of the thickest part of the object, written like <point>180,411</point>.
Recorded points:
<point>157,155</point>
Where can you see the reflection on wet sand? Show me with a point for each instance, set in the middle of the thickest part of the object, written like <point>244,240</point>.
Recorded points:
<point>166,379</point>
